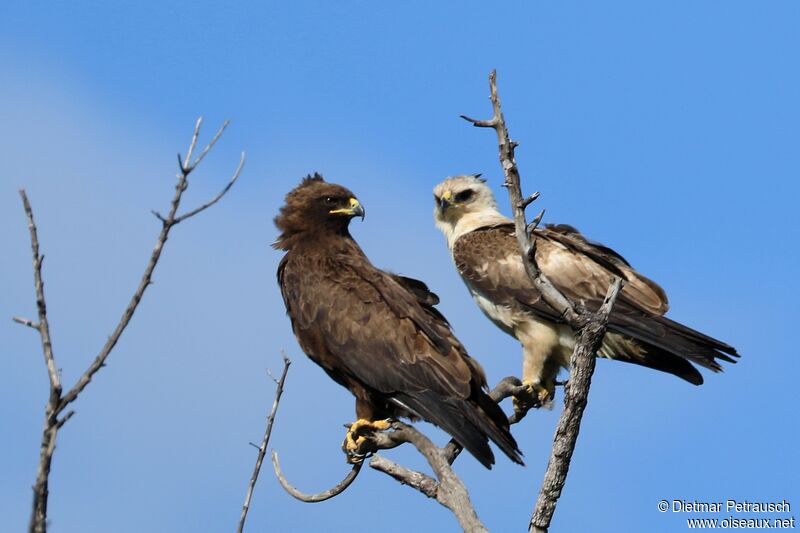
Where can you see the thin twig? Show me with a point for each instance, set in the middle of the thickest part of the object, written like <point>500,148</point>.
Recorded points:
<point>41,306</point>
<point>186,163</point>
<point>168,223</point>
<point>41,490</point>
<point>25,322</point>
<point>208,147</point>
<point>57,403</point>
<point>262,449</point>
<point>319,496</point>
<point>217,198</point>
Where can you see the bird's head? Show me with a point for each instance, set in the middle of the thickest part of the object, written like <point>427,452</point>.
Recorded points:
<point>459,196</point>
<point>318,206</point>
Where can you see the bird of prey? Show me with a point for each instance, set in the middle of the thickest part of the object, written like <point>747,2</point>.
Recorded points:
<point>486,254</point>
<point>375,333</point>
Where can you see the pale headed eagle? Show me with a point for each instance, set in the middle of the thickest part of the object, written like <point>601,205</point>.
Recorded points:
<point>486,255</point>
<point>375,333</point>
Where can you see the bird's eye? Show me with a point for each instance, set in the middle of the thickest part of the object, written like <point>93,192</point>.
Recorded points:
<point>330,200</point>
<point>464,196</point>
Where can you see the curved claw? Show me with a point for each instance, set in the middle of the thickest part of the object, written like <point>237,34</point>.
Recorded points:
<point>358,444</point>
<point>531,395</point>
<point>320,496</point>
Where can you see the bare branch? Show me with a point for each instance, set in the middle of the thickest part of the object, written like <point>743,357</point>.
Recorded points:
<point>528,201</point>
<point>217,198</point>
<point>208,147</point>
<point>168,223</point>
<point>491,123</point>
<point>451,491</point>
<point>38,523</point>
<point>590,326</point>
<point>41,306</point>
<point>448,490</point>
<point>190,151</point>
<point>422,482</point>
<point>25,322</point>
<point>57,403</point>
<point>532,226</point>
<point>576,394</point>
<point>320,496</point>
<point>63,419</point>
<point>507,387</point>
<point>262,449</point>
<point>506,146</point>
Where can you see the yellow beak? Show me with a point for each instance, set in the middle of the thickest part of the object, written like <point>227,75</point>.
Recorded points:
<point>355,209</point>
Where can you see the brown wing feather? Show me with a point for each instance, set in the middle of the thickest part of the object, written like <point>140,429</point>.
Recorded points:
<point>364,317</point>
<point>489,261</point>
<point>381,331</point>
<point>600,263</point>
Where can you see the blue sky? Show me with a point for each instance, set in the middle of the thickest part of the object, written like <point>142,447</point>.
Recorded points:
<point>668,130</point>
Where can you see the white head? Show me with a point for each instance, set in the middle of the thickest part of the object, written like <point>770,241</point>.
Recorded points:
<point>463,204</point>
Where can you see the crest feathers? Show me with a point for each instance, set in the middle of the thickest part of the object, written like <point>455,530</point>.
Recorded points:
<point>311,179</point>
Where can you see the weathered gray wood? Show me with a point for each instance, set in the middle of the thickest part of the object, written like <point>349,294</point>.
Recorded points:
<point>590,326</point>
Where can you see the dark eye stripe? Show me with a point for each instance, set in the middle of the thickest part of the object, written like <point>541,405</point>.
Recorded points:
<point>464,196</point>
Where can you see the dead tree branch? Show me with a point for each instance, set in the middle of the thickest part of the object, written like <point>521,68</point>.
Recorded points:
<point>590,327</point>
<point>319,496</point>
<point>446,488</point>
<point>507,387</point>
<point>449,490</point>
<point>576,395</point>
<point>417,480</point>
<point>262,449</point>
<point>527,242</point>
<point>57,403</point>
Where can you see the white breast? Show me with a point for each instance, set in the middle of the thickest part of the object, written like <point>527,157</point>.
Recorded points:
<point>503,316</point>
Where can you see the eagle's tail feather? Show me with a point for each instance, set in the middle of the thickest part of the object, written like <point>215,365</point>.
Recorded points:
<point>496,426</point>
<point>666,341</point>
<point>662,360</point>
<point>469,424</point>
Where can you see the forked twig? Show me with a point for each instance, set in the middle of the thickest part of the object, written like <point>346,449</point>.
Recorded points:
<point>57,402</point>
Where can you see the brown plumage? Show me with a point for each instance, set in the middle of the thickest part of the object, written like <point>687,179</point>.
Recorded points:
<point>486,255</point>
<point>375,333</point>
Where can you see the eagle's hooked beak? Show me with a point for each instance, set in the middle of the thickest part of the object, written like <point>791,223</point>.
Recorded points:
<point>355,209</point>
<point>446,201</point>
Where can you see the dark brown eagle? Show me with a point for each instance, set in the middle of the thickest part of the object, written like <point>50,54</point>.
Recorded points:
<point>378,334</point>
<point>486,255</point>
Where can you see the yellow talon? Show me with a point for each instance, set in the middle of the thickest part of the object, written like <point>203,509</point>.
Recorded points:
<point>356,436</point>
<point>535,395</point>
<point>370,425</point>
